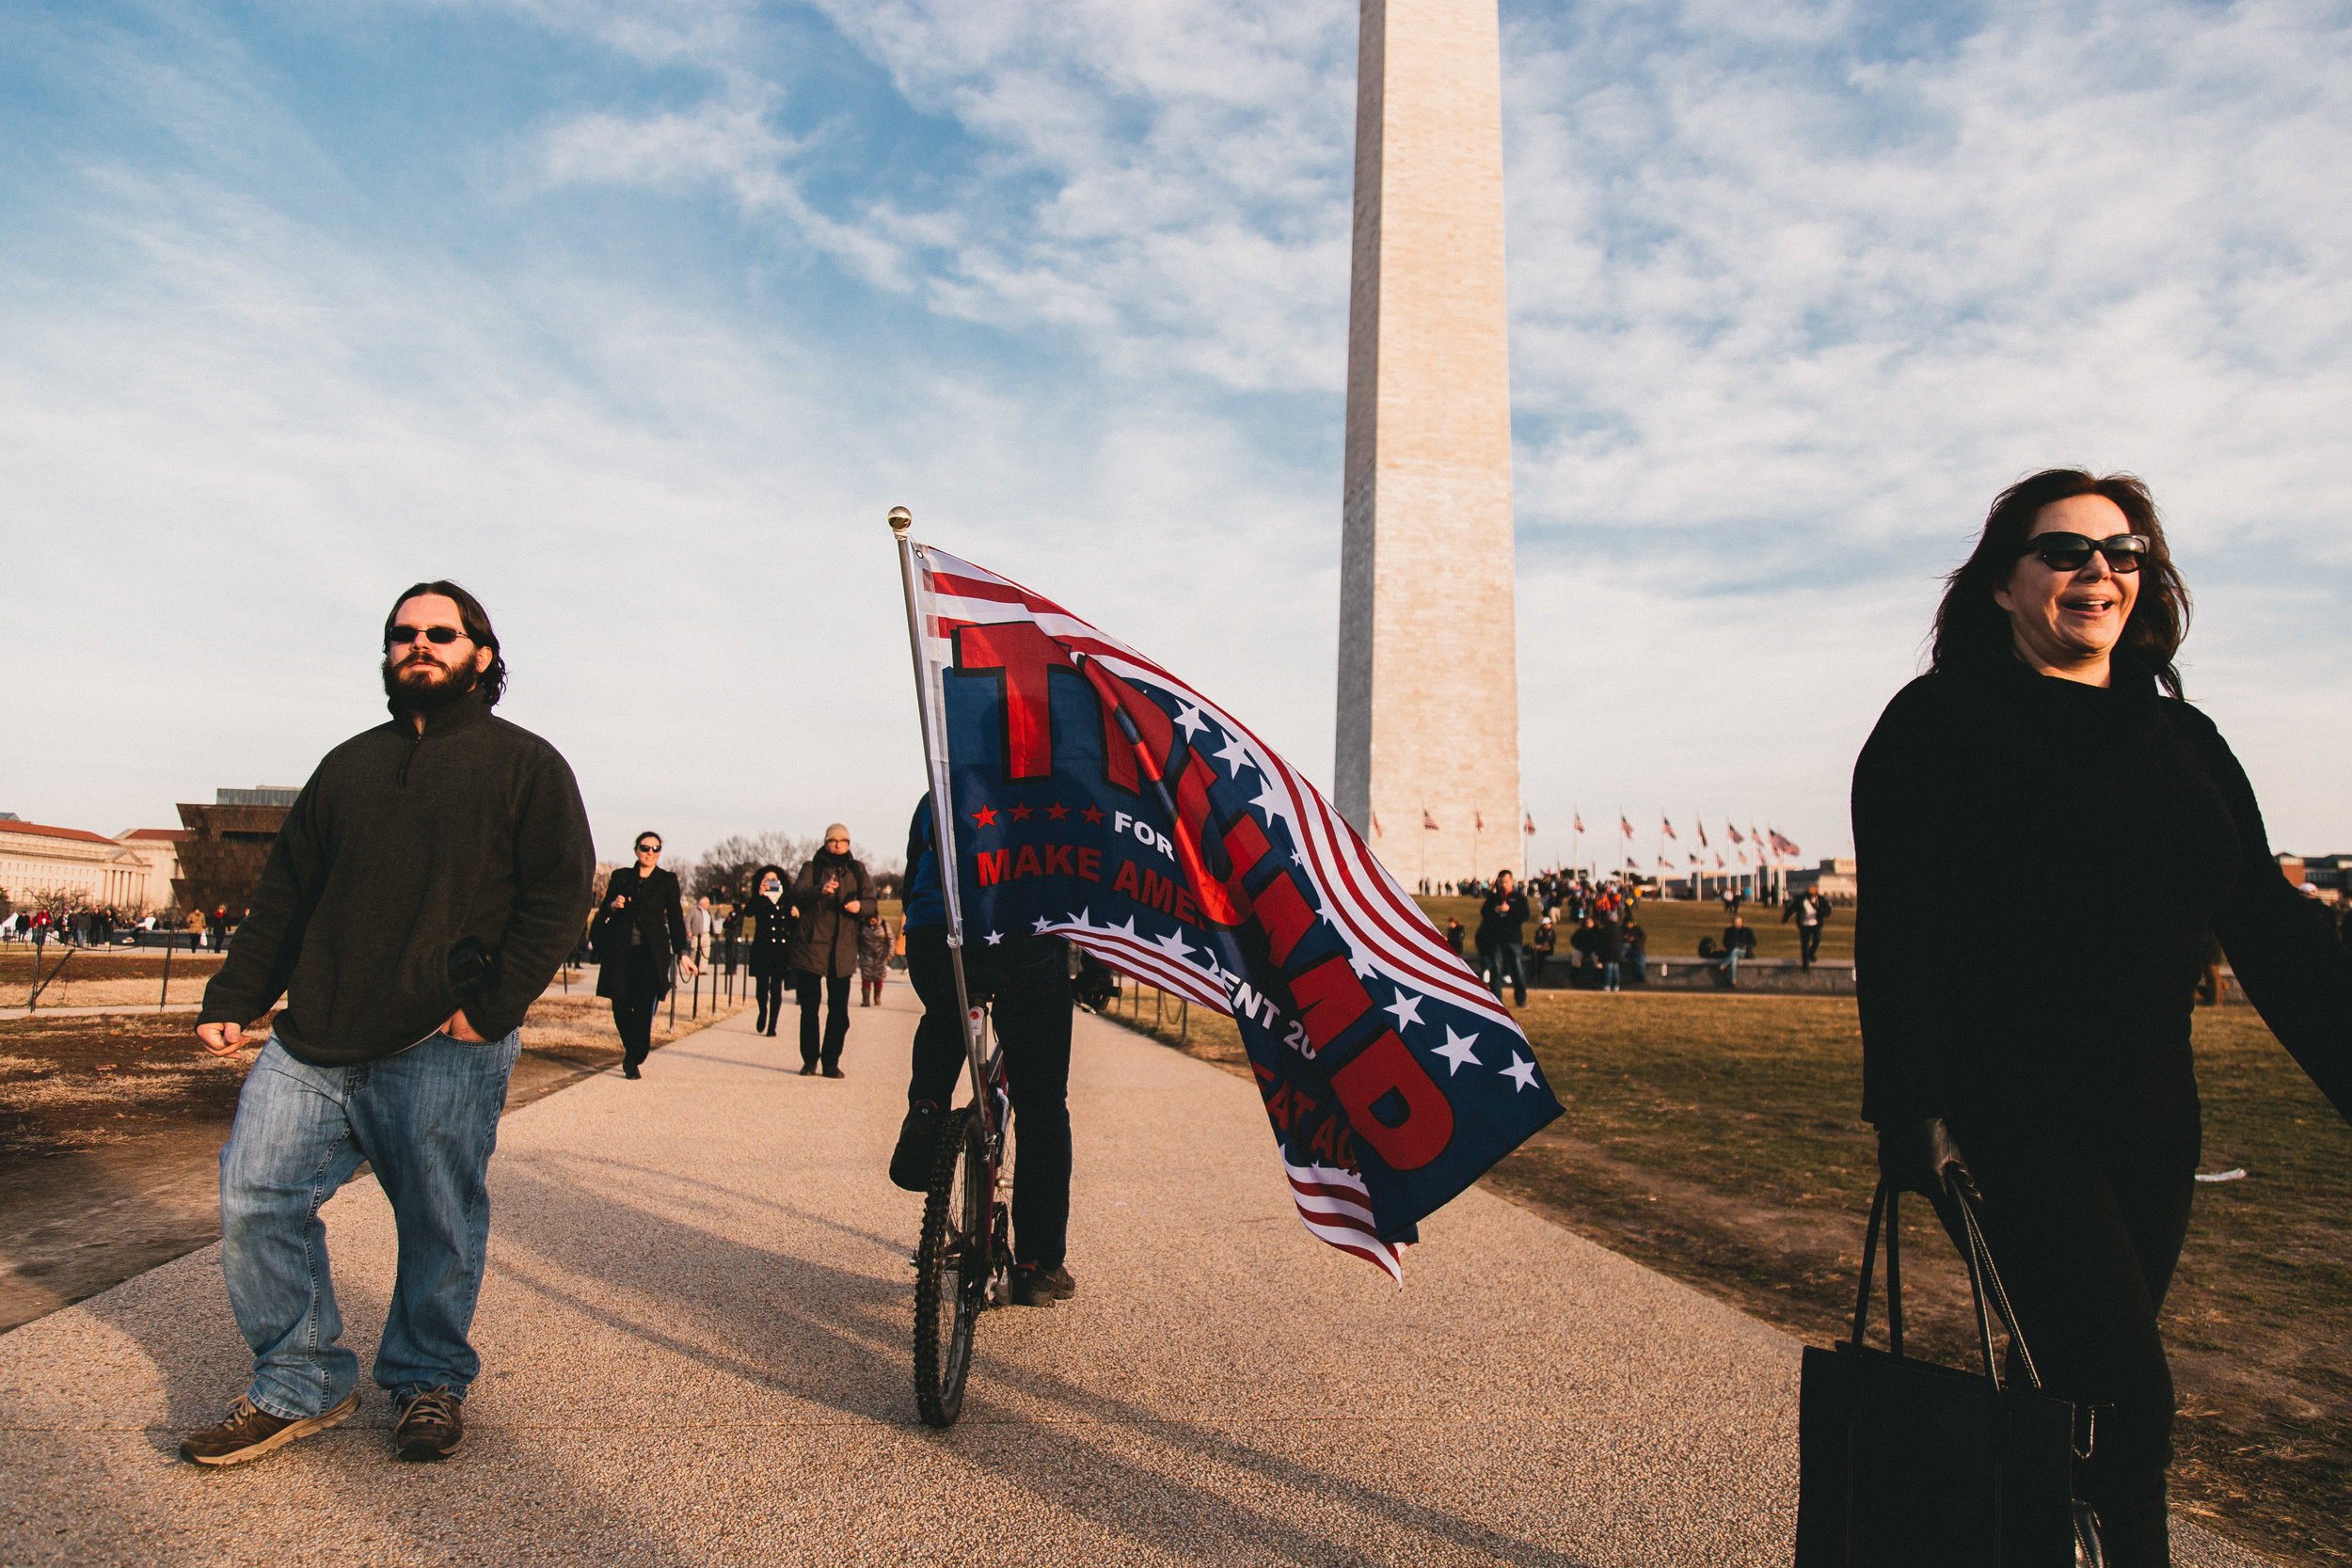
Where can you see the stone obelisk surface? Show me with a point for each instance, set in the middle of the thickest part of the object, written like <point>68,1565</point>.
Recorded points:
<point>1429,719</point>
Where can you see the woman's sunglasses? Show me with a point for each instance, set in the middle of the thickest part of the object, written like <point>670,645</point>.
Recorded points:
<point>650,848</point>
<point>2072,553</point>
<point>441,637</point>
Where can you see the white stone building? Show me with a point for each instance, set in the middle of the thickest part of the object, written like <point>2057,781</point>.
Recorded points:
<point>39,861</point>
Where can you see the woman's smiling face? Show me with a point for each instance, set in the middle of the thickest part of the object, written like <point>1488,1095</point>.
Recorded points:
<point>2068,623</point>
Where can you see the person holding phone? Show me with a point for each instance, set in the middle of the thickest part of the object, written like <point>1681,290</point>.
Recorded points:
<point>772,944</point>
<point>833,894</point>
<point>639,929</point>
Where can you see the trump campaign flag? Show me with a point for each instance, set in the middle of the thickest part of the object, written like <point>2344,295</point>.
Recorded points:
<point>1096,796</point>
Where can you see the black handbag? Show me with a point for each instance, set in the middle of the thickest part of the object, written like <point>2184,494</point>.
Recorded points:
<point>1904,1463</point>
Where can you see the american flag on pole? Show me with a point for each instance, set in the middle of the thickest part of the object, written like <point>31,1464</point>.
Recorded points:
<point>1098,797</point>
<point>1667,823</point>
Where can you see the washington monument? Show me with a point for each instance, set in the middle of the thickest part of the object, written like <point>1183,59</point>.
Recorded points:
<point>1428,720</point>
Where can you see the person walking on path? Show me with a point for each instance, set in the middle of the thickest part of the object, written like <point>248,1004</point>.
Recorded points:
<point>2066,1094</point>
<point>873,960</point>
<point>427,883</point>
<point>1502,935</point>
<point>1028,979</point>
<point>771,945</point>
<point>833,894</point>
<point>640,929</point>
<point>1810,910</point>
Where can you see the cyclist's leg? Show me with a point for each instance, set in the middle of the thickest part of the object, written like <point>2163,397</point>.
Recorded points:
<point>939,1054</point>
<point>1033,1019</point>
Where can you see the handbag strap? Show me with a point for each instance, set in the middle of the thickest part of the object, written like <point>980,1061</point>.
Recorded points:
<point>1883,1208</point>
<point>1984,1282</point>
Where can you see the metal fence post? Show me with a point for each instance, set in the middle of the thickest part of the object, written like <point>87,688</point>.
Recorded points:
<point>164,999</point>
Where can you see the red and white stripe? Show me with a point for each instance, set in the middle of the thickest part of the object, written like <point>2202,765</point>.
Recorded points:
<point>1334,1207</point>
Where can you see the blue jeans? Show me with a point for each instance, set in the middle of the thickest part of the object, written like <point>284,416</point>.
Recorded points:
<point>426,1119</point>
<point>1505,957</point>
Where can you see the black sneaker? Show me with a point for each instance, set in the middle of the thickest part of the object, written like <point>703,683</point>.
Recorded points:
<point>918,1146</point>
<point>1034,1287</point>
<point>431,1426</point>
<point>249,1432</point>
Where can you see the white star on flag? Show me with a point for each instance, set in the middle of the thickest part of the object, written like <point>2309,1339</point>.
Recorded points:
<point>1407,1008</point>
<point>1456,1050</point>
<point>1191,720</point>
<point>1079,920</point>
<point>996,937</point>
<point>1039,925</point>
<point>1522,1072</point>
<point>1236,756</point>
<point>1271,803</point>
<point>1173,944</point>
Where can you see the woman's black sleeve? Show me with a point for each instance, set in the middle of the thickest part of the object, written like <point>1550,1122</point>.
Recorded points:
<point>1909,854</point>
<point>680,941</point>
<point>2283,945</point>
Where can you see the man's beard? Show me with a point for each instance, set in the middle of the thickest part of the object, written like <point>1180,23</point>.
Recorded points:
<point>426,697</point>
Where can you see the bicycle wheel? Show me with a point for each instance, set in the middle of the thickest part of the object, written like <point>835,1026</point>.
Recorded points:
<point>952,1266</point>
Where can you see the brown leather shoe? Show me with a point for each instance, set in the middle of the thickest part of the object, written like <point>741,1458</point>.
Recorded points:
<point>249,1431</point>
<point>431,1426</point>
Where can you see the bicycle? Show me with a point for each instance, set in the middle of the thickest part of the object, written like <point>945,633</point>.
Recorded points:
<point>966,1246</point>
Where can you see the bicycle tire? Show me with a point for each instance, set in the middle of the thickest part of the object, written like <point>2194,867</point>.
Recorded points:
<point>953,1264</point>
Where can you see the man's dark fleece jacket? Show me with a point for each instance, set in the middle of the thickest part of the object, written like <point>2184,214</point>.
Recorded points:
<point>400,846</point>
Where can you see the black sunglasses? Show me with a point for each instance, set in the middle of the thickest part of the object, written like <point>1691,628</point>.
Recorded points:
<point>650,848</point>
<point>2072,553</point>
<point>441,637</point>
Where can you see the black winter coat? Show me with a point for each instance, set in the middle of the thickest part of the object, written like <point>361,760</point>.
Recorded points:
<point>772,936</point>
<point>827,943</point>
<point>635,941</point>
<point>401,847</point>
<point>2117,832</point>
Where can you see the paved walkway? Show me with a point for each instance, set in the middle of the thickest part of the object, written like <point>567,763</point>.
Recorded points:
<point>696,1334</point>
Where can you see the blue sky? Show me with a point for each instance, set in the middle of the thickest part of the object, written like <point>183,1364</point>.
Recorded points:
<point>638,317</point>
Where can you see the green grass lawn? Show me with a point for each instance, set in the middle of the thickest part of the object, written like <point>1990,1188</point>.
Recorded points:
<point>1716,1139</point>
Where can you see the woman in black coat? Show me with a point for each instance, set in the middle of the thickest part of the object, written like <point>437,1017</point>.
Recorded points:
<point>2048,751</point>
<point>771,915</point>
<point>637,928</point>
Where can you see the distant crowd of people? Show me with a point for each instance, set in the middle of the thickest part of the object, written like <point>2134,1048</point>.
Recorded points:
<point>1607,946</point>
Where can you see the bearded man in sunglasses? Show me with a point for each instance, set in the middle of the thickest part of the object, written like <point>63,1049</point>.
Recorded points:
<point>428,880</point>
<point>2049,748</point>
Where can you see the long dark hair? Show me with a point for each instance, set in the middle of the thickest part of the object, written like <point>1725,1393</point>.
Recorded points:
<point>491,682</point>
<point>1974,633</point>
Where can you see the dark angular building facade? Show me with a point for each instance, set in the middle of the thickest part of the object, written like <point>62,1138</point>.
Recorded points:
<point>221,861</point>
